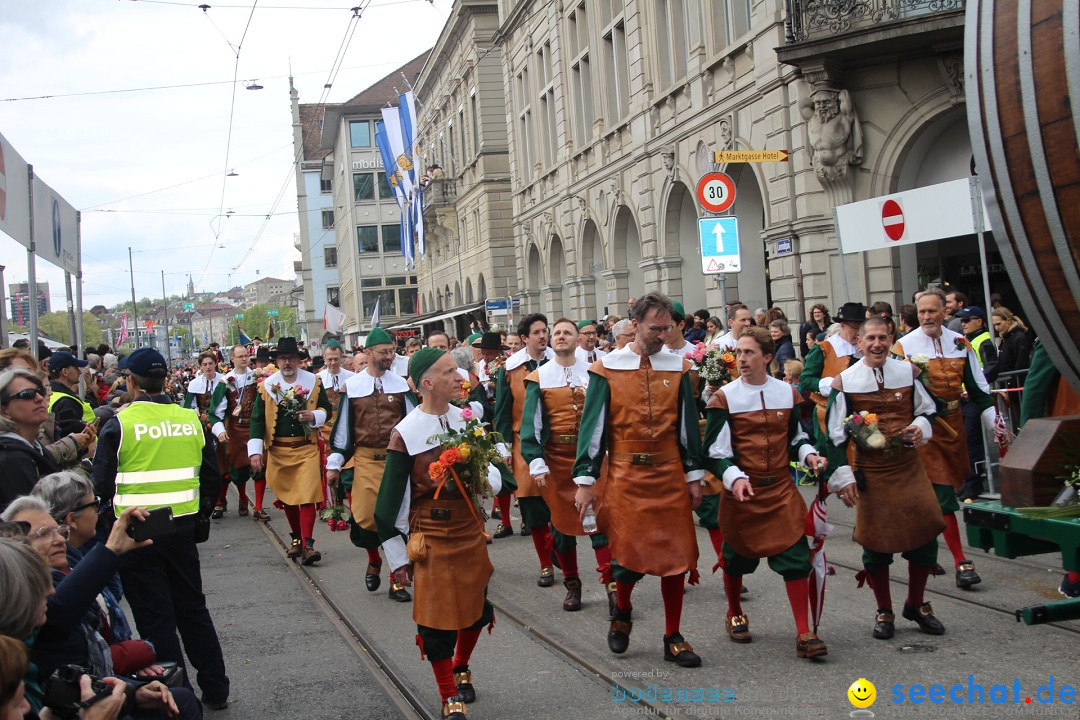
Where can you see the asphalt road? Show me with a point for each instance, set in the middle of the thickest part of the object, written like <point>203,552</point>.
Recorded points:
<point>317,643</point>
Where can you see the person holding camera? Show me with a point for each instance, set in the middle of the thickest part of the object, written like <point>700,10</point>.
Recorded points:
<point>154,454</point>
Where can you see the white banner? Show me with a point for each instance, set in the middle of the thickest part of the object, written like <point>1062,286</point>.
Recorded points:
<point>56,228</point>
<point>14,194</point>
<point>935,212</point>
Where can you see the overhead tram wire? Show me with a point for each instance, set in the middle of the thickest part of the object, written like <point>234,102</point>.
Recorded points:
<point>388,3</point>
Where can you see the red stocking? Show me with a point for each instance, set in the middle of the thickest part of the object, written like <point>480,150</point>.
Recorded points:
<point>603,564</point>
<point>292,514</point>
<point>543,542</point>
<point>224,495</point>
<point>1073,576</point>
<point>260,492</point>
<point>466,641</point>
<point>623,591</point>
<point>373,558</point>
<point>671,588</point>
<point>717,539</point>
<point>879,583</point>
<point>568,561</point>
<point>241,490</point>
<point>444,678</point>
<point>798,594</point>
<point>952,538</point>
<point>733,590</point>
<point>917,575</point>
<point>307,521</point>
<point>504,508</point>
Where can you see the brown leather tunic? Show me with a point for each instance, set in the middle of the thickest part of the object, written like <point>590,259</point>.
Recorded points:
<point>516,380</point>
<point>651,528</point>
<point>898,510</point>
<point>373,418</point>
<point>833,366</point>
<point>237,424</point>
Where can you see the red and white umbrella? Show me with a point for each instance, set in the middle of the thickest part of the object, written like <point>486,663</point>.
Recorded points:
<point>817,529</point>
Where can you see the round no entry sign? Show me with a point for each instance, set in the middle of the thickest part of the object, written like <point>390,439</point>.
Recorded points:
<point>892,219</point>
<point>716,192</point>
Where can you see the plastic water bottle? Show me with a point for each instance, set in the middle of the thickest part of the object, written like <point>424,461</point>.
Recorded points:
<point>588,523</point>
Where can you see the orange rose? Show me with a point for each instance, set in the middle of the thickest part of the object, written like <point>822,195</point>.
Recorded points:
<point>450,457</point>
<point>436,470</point>
<point>871,419</point>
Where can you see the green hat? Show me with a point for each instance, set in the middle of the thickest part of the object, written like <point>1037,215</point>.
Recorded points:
<point>332,344</point>
<point>421,360</point>
<point>678,309</point>
<point>378,336</point>
<point>581,325</point>
<point>473,338</point>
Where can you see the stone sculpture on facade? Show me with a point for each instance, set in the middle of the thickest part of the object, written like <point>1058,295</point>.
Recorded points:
<point>833,131</point>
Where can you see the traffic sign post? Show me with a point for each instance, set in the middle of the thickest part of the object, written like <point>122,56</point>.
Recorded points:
<point>239,316</point>
<point>750,156</point>
<point>272,312</point>
<point>716,192</point>
<point>189,306</point>
<point>719,245</point>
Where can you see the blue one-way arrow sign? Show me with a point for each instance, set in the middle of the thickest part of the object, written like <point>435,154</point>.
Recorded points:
<point>719,245</point>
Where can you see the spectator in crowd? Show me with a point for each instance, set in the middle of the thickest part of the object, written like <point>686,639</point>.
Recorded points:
<point>1015,350</point>
<point>22,413</point>
<point>816,324</point>
<point>880,309</point>
<point>775,313</point>
<point>695,333</point>
<point>785,349</point>
<point>623,332</point>
<point>909,319</point>
<point>973,320</point>
<point>412,345</point>
<point>761,317</point>
<point>955,301</point>
<point>70,411</point>
<point>512,343</point>
<point>714,328</point>
<point>360,360</point>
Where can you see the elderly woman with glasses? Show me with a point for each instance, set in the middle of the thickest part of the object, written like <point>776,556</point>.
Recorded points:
<point>23,411</point>
<point>72,503</point>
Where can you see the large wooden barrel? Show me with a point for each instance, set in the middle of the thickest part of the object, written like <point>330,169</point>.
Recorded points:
<point>1022,62</point>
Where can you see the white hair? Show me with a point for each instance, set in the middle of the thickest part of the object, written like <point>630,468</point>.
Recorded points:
<point>24,503</point>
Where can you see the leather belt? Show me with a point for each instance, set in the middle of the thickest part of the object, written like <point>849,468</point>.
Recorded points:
<point>764,481</point>
<point>241,421</point>
<point>564,439</point>
<point>292,443</point>
<point>440,513</point>
<point>646,458</point>
<point>952,405</point>
<point>378,456</point>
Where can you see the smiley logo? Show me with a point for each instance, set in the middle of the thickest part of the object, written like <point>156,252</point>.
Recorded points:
<point>862,693</point>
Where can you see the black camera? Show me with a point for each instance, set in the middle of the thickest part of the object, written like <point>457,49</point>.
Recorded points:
<point>63,695</point>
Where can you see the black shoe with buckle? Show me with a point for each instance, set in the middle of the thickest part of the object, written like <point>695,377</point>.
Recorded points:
<point>503,530</point>
<point>884,624</point>
<point>454,709</point>
<point>372,581</point>
<point>496,512</point>
<point>966,575</point>
<point>296,548</point>
<point>738,629</point>
<point>525,531</point>
<point>923,616</point>
<point>612,600</point>
<point>463,682</point>
<point>219,511</point>
<point>398,593</point>
<point>618,637</point>
<point>678,651</point>
<point>547,577</point>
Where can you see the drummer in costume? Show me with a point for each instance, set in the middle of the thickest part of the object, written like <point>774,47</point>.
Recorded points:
<point>509,406</point>
<point>951,369</point>
<point>372,402</point>
<point>282,440</point>
<point>451,577</point>
<point>641,413</point>
<point>831,357</point>
<point>554,401</point>
<point>896,509</point>
<point>752,435</point>
<point>232,402</point>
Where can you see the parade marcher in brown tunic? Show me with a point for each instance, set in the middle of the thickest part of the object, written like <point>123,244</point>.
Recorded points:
<point>554,401</point>
<point>372,402</point>
<point>752,435</point>
<point>950,370</point>
<point>200,398</point>
<point>831,357</point>
<point>232,403</point>
<point>640,412</point>
<point>288,411</point>
<point>896,510</point>
<point>452,573</point>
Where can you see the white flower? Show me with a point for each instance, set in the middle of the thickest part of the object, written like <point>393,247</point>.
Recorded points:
<point>920,359</point>
<point>876,441</point>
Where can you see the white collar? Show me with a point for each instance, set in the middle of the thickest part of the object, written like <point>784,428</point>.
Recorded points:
<point>553,375</point>
<point>842,347</point>
<point>918,342</point>
<point>522,356</point>
<point>743,397</point>
<point>418,428</point>
<point>627,359</point>
<point>198,384</point>
<point>583,355</point>
<point>860,377</point>
<point>362,384</point>
<point>304,379</point>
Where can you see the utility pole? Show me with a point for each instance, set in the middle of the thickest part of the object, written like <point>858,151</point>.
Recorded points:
<point>168,338</point>
<point>134,305</point>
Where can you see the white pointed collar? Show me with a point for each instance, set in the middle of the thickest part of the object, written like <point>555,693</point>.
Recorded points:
<point>362,384</point>
<point>626,359</point>
<point>418,428</point>
<point>522,356</point>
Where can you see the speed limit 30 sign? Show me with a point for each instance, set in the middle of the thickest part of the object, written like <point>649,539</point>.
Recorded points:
<point>716,192</point>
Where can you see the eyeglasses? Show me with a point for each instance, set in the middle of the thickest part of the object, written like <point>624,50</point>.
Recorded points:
<point>45,534</point>
<point>95,503</point>
<point>27,394</point>
<point>969,319</point>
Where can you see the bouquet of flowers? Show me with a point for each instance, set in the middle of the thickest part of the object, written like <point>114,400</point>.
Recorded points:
<point>464,461</point>
<point>462,400</point>
<point>962,343</point>
<point>718,365</point>
<point>291,402</point>
<point>336,517</point>
<point>493,366</point>
<point>864,430</point>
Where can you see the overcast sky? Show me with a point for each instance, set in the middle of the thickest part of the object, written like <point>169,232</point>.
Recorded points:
<point>156,160</point>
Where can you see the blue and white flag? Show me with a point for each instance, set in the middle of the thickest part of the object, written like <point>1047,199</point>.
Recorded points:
<point>393,176</point>
<point>403,163</point>
<point>408,125</point>
<point>375,314</point>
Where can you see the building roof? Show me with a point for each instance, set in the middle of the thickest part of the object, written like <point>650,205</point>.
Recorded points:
<point>267,281</point>
<point>311,117</point>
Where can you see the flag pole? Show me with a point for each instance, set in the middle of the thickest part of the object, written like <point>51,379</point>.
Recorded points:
<point>168,338</point>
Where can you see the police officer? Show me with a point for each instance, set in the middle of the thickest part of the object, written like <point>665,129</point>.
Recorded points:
<point>153,454</point>
<point>72,413</point>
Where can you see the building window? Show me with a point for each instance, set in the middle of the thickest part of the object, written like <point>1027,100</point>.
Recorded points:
<point>360,134</point>
<point>326,186</point>
<point>398,280</point>
<point>407,301</point>
<point>385,191</point>
<point>525,124</point>
<point>453,152</point>
<point>671,40</point>
<point>618,87</point>
<point>546,102</point>
<point>327,219</point>
<point>363,186</point>
<point>386,298</point>
<point>475,110</point>
<point>367,237</point>
<point>461,130</point>
<point>391,238</point>
<point>371,282</point>
<point>333,296</point>
<point>730,21</point>
<point>330,256</point>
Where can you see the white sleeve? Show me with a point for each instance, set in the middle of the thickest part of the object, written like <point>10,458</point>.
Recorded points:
<point>841,478</point>
<point>255,446</point>
<point>334,461</point>
<point>494,479</point>
<point>319,419</point>
<point>538,467</point>
<point>825,386</point>
<point>219,427</point>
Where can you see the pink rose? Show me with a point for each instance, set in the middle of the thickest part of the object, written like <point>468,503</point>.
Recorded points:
<point>467,414</point>
<point>857,419</point>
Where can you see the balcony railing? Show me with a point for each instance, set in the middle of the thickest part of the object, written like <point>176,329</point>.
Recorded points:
<point>440,192</point>
<point>820,19</point>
